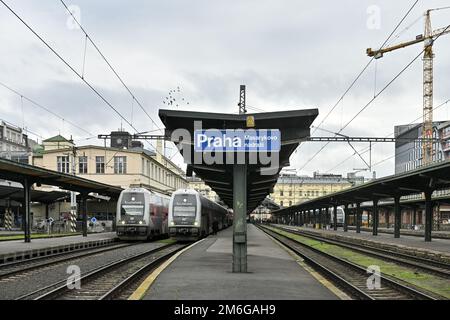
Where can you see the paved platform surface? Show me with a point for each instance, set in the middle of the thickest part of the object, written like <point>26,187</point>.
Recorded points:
<point>15,246</point>
<point>407,232</point>
<point>204,273</point>
<point>437,245</point>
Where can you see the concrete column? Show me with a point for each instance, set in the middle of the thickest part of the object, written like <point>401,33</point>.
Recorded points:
<point>358,218</point>
<point>27,212</point>
<point>387,218</point>
<point>375,217</point>
<point>83,211</point>
<point>428,215</point>
<point>335,217</point>
<point>346,217</point>
<point>46,211</point>
<point>240,221</point>
<point>397,217</point>
<point>327,216</point>
<point>414,215</point>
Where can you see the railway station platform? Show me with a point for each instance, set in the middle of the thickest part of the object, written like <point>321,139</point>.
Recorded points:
<point>203,272</point>
<point>16,250</point>
<point>438,249</point>
<point>407,232</point>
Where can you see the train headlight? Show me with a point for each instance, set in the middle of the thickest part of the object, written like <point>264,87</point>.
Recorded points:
<point>140,222</point>
<point>196,223</point>
<point>172,223</point>
<point>122,222</point>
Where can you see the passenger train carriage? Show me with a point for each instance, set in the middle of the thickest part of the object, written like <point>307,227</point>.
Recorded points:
<point>141,214</point>
<point>340,216</point>
<point>191,215</point>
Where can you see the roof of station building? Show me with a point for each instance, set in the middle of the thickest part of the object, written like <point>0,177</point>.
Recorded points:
<point>293,125</point>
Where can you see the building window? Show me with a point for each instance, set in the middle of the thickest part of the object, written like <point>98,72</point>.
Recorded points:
<point>143,166</point>
<point>290,203</point>
<point>62,164</point>
<point>281,193</point>
<point>148,168</point>
<point>281,203</point>
<point>120,165</point>
<point>290,193</point>
<point>82,164</point>
<point>99,164</point>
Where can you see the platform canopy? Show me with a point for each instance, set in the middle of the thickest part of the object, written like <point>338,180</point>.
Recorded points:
<point>15,171</point>
<point>293,125</point>
<point>425,179</point>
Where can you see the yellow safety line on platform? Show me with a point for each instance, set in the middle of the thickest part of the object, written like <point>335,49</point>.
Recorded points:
<point>327,284</point>
<point>146,284</point>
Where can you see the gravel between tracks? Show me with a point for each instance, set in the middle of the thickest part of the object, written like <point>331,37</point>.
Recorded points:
<point>18,285</point>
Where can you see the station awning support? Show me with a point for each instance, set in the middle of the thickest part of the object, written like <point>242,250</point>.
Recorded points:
<point>27,212</point>
<point>240,218</point>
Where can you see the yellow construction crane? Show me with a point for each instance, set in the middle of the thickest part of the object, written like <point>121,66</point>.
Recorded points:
<point>427,38</point>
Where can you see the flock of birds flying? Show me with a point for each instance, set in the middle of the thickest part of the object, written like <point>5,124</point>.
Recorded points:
<point>174,98</point>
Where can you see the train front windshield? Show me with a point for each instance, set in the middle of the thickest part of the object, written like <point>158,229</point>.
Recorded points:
<point>133,204</point>
<point>184,205</point>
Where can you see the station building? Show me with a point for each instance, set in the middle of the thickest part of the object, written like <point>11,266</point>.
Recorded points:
<point>408,152</point>
<point>14,143</point>
<point>408,156</point>
<point>199,185</point>
<point>292,189</point>
<point>125,163</point>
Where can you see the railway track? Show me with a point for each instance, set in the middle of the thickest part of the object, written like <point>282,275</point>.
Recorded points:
<point>110,281</point>
<point>351,278</point>
<point>417,263</point>
<point>17,267</point>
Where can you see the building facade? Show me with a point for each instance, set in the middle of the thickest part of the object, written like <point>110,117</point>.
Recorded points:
<point>13,143</point>
<point>120,165</point>
<point>292,189</point>
<point>408,152</point>
<point>200,186</point>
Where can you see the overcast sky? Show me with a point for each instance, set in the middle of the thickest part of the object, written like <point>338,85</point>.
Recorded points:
<point>290,54</point>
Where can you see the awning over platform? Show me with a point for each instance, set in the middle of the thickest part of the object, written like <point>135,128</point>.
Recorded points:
<point>293,125</point>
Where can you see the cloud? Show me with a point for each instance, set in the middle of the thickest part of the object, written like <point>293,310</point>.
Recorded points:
<point>290,54</point>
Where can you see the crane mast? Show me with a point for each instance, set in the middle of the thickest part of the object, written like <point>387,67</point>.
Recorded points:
<point>427,124</point>
<point>427,38</point>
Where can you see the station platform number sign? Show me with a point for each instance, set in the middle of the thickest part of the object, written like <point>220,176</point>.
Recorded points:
<point>237,140</point>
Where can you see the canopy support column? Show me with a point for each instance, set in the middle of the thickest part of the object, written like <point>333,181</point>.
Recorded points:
<point>240,219</point>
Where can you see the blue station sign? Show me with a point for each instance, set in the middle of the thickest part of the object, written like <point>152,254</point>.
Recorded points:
<point>237,140</point>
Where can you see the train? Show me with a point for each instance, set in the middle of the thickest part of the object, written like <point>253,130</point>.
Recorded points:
<point>142,214</point>
<point>191,215</point>
<point>340,216</point>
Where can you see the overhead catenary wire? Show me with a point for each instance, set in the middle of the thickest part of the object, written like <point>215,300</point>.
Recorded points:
<point>366,66</point>
<point>366,149</point>
<point>373,99</point>
<point>28,130</point>
<point>354,82</point>
<point>73,70</point>
<point>39,105</point>
<point>88,37</point>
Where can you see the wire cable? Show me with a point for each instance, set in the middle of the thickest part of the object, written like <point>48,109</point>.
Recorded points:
<point>45,108</point>
<point>373,99</point>
<point>74,71</point>
<point>367,65</point>
<point>88,37</point>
